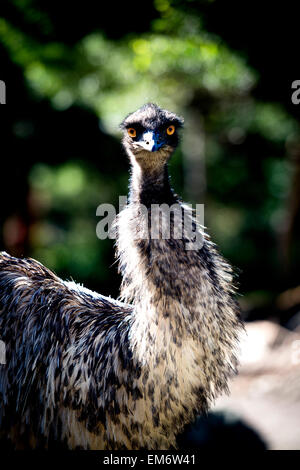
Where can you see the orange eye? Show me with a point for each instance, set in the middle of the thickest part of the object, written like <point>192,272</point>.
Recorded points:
<point>170,130</point>
<point>131,131</point>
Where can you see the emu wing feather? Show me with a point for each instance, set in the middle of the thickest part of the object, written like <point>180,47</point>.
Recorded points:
<point>58,336</point>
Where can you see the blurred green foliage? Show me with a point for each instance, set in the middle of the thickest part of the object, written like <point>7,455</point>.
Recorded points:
<point>181,66</point>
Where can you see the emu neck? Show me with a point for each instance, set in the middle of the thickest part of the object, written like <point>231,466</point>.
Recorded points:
<point>150,185</point>
<point>156,269</point>
<point>183,324</point>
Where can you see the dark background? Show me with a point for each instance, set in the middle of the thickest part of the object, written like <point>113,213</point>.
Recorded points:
<point>54,128</point>
<point>73,71</point>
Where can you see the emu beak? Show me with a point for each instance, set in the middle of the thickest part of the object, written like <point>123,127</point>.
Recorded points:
<point>151,141</point>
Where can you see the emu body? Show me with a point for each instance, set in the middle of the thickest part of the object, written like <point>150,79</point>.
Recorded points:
<point>83,370</point>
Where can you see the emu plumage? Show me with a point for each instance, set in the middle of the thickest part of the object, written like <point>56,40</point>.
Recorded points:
<point>86,371</point>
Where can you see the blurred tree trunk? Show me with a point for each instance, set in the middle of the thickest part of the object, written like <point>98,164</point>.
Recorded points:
<point>290,229</point>
<point>193,148</point>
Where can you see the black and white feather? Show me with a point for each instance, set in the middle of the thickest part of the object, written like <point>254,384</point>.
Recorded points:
<point>86,371</point>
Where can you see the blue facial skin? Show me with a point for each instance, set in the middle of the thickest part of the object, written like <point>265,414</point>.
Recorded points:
<point>151,140</point>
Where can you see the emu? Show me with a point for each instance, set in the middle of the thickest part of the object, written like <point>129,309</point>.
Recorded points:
<point>87,371</point>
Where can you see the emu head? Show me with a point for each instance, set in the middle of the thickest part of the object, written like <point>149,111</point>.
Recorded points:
<point>151,136</point>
